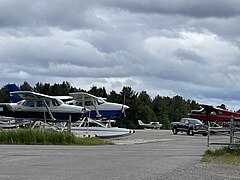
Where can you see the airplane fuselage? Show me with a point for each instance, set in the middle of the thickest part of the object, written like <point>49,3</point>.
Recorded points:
<point>107,110</point>
<point>214,114</point>
<point>36,110</point>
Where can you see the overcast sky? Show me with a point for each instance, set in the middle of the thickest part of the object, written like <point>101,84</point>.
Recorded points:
<point>165,47</point>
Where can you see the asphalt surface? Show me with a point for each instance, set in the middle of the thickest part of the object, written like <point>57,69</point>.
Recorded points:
<point>147,154</point>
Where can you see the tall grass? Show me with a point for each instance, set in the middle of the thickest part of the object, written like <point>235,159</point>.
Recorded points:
<point>223,155</point>
<point>35,137</point>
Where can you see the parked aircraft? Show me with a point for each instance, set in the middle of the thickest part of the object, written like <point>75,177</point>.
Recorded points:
<point>153,125</point>
<point>39,106</point>
<point>210,113</point>
<point>99,107</point>
<point>13,87</point>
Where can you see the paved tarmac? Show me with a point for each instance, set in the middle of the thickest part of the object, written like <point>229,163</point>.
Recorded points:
<point>147,154</point>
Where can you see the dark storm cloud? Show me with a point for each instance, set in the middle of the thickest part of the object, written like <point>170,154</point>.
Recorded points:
<point>189,55</point>
<point>194,8</point>
<point>67,15</point>
<point>184,47</point>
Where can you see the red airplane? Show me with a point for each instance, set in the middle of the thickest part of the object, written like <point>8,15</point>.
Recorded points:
<point>209,113</point>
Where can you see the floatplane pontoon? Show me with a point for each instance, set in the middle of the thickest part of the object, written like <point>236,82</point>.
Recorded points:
<point>9,123</point>
<point>88,127</point>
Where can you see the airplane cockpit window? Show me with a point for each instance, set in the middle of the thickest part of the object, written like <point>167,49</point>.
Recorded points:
<point>41,103</point>
<point>88,103</point>
<point>213,113</point>
<point>80,103</point>
<point>28,103</point>
<point>56,102</point>
<point>100,101</point>
<point>21,102</point>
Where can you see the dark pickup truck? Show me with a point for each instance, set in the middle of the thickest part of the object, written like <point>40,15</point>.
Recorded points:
<point>190,126</point>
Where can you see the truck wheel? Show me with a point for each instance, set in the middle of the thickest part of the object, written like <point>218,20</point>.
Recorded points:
<point>205,134</point>
<point>174,130</point>
<point>190,132</point>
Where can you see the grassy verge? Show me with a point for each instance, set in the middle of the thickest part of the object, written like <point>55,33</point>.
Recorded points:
<point>223,155</point>
<point>35,137</point>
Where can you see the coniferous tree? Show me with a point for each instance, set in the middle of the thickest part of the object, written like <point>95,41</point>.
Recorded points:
<point>4,95</point>
<point>162,109</point>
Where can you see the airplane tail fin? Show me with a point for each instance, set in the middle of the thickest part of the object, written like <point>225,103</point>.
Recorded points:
<point>12,88</point>
<point>140,123</point>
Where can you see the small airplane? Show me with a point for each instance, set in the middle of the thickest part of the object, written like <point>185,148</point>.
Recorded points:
<point>13,87</point>
<point>99,107</point>
<point>41,107</point>
<point>153,125</point>
<point>210,113</point>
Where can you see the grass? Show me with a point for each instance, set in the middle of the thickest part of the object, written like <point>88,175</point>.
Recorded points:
<point>223,155</point>
<point>38,137</point>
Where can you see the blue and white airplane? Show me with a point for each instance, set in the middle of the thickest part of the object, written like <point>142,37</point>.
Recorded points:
<point>39,106</point>
<point>13,99</point>
<point>98,106</point>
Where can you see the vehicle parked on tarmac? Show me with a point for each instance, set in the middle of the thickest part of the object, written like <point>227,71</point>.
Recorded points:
<point>189,125</point>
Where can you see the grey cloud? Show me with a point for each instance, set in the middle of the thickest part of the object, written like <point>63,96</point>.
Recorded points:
<point>67,15</point>
<point>189,55</point>
<point>194,8</point>
<point>188,47</point>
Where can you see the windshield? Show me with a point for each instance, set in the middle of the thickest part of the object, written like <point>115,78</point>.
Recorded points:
<point>56,102</point>
<point>100,101</point>
<point>194,121</point>
<point>28,103</point>
<point>21,102</point>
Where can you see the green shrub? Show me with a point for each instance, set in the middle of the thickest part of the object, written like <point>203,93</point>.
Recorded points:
<point>45,137</point>
<point>223,155</point>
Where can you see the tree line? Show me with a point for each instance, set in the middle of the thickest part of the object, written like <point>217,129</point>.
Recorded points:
<point>159,109</point>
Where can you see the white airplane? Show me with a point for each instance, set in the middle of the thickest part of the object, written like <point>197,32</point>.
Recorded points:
<point>42,107</point>
<point>13,87</point>
<point>98,106</point>
<point>153,125</point>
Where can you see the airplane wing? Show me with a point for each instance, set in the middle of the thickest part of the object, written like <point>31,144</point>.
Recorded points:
<point>205,106</point>
<point>29,95</point>
<point>84,96</point>
<point>33,96</point>
<point>208,108</point>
